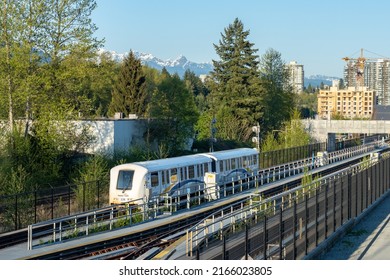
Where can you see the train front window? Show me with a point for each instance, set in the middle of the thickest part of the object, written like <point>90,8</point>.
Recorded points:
<point>154,178</point>
<point>125,180</point>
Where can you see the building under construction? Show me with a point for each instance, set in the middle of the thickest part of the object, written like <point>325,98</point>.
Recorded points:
<point>372,73</point>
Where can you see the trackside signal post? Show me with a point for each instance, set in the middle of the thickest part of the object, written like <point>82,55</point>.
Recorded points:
<point>256,139</point>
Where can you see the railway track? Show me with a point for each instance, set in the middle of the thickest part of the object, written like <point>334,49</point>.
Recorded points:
<point>132,246</point>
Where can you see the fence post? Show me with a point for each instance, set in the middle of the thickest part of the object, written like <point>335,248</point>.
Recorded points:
<point>280,233</point>
<point>294,230</point>
<point>29,237</point>
<point>349,177</point>
<point>326,210</point>
<point>334,205</point>
<point>316,214</point>
<point>342,201</point>
<point>306,224</point>
<point>84,196</point>
<point>35,206</point>
<point>52,203</point>
<point>246,241</point>
<point>224,247</point>
<point>98,193</point>
<point>265,237</point>
<point>68,200</point>
<point>367,187</point>
<point>16,212</point>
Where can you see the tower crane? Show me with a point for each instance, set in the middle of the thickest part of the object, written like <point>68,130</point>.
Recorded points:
<point>359,68</point>
<point>355,70</point>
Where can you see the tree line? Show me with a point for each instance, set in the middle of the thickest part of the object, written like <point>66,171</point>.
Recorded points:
<point>51,73</point>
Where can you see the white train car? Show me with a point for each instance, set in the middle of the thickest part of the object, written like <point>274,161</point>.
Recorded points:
<point>139,181</point>
<point>233,163</point>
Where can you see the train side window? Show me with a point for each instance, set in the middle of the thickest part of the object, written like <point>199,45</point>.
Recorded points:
<point>191,172</point>
<point>154,179</point>
<point>221,166</point>
<point>125,180</point>
<point>233,163</point>
<point>163,177</point>
<point>206,167</point>
<point>245,161</point>
<point>183,173</point>
<point>228,164</point>
<point>254,159</point>
<point>173,178</point>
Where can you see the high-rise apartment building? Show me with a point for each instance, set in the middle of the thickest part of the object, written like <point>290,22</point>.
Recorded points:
<point>296,76</point>
<point>351,102</point>
<point>375,76</point>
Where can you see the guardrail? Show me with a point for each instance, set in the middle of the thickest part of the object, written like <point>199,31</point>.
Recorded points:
<point>112,217</point>
<point>289,225</point>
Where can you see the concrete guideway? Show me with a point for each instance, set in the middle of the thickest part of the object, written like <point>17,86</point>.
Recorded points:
<point>17,253</point>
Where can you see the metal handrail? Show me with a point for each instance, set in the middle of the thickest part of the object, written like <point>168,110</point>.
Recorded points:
<point>200,232</point>
<point>81,223</point>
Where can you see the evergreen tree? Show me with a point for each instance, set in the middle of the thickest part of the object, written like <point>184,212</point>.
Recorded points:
<point>173,113</point>
<point>235,79</point>
<point>278,98</point>
<point>197,88</point>
<point>129,94</point>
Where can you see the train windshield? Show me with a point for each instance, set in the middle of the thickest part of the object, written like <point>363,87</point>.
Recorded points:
<point>125,180</point>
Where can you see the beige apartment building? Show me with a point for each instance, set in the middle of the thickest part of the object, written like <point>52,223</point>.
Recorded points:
<point>353,102</point>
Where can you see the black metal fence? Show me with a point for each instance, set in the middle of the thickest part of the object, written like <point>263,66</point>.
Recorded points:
<point>276,157</point>
<point>271,158</point>
<point>17,211</point>
<point>293,228</point>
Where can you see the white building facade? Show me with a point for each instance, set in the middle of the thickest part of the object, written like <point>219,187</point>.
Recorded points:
<point>296,76</point>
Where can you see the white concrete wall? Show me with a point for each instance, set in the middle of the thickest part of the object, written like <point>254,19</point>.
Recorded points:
<point>128,132</point>
<point>103,134</point>
<point>319,129</point>
<point>114,135</point>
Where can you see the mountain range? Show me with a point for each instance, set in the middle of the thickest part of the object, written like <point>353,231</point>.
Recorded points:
<point>316,80</point>
<point>181,64</point>
<point>178,65</point>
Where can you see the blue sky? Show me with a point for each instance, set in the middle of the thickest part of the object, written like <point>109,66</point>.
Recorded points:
<point>314,33</point>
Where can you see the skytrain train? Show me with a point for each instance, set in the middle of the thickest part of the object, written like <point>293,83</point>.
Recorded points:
<point>140,181</point>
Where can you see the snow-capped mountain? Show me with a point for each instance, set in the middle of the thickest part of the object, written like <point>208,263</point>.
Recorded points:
<point>316,80</point>
<point>181,64</point>
<point>178,65</point>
